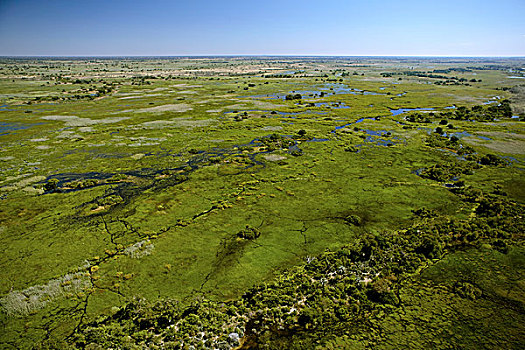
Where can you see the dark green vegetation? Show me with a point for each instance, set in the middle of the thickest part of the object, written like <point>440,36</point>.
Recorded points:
<point>272,203</point>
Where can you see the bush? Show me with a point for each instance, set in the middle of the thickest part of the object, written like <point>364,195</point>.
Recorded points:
<point>467,290</point>
<point>353,220</point>
<point>249,233</point>
<point>491,159</point>
<point>51,185</point>
<point>290,97</point>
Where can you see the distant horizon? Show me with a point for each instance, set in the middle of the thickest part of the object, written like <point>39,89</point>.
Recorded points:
<point>251,55</point>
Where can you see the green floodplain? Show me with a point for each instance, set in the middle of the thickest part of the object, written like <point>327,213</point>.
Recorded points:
<point>271,202</point>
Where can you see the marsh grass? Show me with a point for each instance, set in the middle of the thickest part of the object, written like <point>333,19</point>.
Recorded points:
<point>186,178</point>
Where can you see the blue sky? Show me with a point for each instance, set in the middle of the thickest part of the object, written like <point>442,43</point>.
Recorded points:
<point>265,27</point>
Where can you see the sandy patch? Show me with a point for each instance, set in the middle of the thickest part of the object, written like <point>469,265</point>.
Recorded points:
<point>186,86</point>
<point>159,89</point>
<point>72,120</point>
<point>139,96</point>
<point>39,140</point>
<point>254,104</point>
<point>272,128</point>
<point>181,107</point>
<point>265,105</point>
<point>130,97</point>
<point>129,93</point>
<point>24,184</point>
<point>12,178</point>
<point>504,142</point>
<point>372,79</point>
<point>460,98</point>
<point>511,147</point>
<point>203,102</point>
<point>502,135</point>
<point>145,141</point>
<point>273,157</point>
<point>138,156</point>
<point>85,129</point>
<point>143,138</point>
<point>66,134</point>
<point>140,144</point>
<point>32,190</point>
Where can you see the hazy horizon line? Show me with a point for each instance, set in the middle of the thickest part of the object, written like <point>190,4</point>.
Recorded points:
<point>267,55</point>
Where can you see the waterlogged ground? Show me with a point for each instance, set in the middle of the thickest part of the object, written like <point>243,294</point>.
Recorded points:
<point>195,180</point>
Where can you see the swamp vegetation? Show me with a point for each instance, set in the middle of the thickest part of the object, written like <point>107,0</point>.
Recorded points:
<point>272,203</point>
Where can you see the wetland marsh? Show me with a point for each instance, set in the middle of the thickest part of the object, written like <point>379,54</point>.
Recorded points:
<point>262,202</point>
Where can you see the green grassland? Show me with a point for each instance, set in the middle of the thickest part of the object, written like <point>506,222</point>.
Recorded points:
<point>201,203</point>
